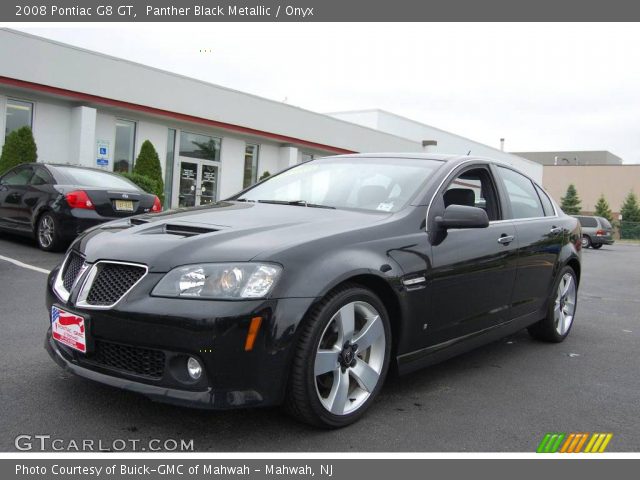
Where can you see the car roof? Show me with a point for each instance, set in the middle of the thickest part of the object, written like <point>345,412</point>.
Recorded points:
<point>404,155</point>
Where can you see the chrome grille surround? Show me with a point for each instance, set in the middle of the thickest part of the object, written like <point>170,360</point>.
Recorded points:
<point>108,282</point>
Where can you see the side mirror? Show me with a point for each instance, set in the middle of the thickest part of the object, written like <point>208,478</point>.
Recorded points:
<point>462,216</point>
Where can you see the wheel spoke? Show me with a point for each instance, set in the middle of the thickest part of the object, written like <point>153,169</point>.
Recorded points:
<point>346,321</point>
<point>326,361</point>
<point>339,394</point>
<point>366,376</point>
<point>371,332</point>
<point>568,279</point>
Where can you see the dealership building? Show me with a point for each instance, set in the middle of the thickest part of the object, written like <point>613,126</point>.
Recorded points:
<point>94,110</point>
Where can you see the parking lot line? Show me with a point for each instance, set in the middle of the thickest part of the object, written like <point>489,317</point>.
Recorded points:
<point>24,265</point>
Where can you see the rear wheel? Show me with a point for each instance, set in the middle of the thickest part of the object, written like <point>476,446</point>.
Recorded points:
<point>586,241</point>
<point>341,360</point>
<point>555,327</point>
<point>48,233</point>
<point>596,245</point>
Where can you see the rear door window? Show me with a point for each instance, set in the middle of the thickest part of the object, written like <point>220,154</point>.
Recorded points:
<point>19,176</point>
<point>546,203</point>
<point>523,197</point>
<point>589,222</point>
<point>41,177</point>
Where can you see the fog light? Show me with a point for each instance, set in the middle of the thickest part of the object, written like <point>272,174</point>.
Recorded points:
<point>194,368</point>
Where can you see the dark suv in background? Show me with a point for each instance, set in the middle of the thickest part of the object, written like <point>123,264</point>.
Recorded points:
<point>596,231</point>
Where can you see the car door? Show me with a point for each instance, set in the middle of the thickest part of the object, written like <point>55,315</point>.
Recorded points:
<point>39,193</point>
<point>473,270</point>
<point>540,237</point>
<point>13,186</point>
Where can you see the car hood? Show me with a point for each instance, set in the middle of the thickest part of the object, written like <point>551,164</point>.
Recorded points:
<point>226,231</point>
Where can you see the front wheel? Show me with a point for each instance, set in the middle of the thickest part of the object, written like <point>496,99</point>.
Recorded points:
<point>341,359</point>
<point>556,325</point>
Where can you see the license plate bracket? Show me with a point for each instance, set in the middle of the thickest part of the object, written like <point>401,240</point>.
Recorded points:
<point>68,329</point>
<point>123,205</point>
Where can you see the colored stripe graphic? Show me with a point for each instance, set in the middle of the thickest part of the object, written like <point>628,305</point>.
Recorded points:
<point>573,442</point>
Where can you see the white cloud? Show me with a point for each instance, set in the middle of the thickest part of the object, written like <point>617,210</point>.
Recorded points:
<point>541,86</point>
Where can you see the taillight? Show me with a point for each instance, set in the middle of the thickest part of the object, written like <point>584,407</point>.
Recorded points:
<point>600,233</point>
<point>79,199</point>
<point>157,206</point>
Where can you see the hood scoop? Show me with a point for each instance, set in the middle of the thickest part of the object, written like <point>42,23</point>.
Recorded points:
<point>187,230</point>
<point>138,221</point>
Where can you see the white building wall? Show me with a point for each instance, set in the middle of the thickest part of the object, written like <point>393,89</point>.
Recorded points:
<point>51,129</point>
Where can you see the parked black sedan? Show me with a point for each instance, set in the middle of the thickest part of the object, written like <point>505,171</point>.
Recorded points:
<point>55,203</point>
<point>305,288</point>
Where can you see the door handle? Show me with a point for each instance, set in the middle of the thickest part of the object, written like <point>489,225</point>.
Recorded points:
<point>506,239</point>
<point>555,230</point>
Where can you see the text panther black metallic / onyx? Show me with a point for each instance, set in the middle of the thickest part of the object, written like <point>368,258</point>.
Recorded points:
<point>306,288</point>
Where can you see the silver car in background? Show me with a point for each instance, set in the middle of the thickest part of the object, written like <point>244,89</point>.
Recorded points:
<point>596,231</point>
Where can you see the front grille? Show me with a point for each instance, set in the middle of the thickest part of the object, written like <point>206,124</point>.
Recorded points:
<point>112,281</point>
<point>72,268</point>
<point>136,360</point>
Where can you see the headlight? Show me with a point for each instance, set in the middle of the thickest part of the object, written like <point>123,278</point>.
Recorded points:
<point>219,280</point>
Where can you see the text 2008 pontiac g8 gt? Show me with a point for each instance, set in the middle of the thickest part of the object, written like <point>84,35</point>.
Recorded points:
<point>304,289</point>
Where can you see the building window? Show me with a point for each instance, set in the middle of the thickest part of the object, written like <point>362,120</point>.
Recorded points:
<point>171,150</point>
<point>250,165</point>
<point>125,144</point>
<point>199,146</point>
<point>306,157</point>
<point>19,114</point>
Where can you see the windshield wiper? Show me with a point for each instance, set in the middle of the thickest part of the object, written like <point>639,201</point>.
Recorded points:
<point>297,203</point>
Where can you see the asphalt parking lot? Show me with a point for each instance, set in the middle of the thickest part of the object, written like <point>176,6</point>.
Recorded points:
<point>502,397</point>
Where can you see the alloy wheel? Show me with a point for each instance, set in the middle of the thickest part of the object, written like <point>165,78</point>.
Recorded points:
<point>349,358</point>
<point>565,304</point>
<point>46,231</point>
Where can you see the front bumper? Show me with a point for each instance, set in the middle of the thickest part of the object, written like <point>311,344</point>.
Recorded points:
<point>212,331</point>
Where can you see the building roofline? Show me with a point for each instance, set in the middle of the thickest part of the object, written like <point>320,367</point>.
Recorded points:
<point>165,113</point>
<point>204,82</point>
<point>402,117</point>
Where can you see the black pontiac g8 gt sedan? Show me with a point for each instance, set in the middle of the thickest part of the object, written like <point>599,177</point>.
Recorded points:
<point>306,288</point>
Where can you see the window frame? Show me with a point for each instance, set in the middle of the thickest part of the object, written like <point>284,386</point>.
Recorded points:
<point>133,143</point>
<point>254,175</point>
<point>500,211</point>
<point>507,199</point>
<point>8,99</point>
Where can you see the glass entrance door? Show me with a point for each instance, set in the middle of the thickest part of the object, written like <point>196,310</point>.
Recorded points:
<point>198,183</point>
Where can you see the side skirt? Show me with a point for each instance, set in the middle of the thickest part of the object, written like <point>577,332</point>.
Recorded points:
<point>412,361</point>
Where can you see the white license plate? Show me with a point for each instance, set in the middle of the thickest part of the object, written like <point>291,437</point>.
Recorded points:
<point>124,205</point>
<point>68,329</point>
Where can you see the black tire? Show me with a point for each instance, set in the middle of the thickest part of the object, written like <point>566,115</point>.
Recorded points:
<point>302,400</point>
<point>597,245</point>
<point>48,233</point>
<point>586,241</point>
<point>545,329</point>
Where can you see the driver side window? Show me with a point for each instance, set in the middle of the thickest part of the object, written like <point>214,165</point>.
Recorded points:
<point>474,188</point>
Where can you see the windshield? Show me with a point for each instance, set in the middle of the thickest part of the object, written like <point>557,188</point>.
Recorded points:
<point>95,178</point>
<point>378,184</point>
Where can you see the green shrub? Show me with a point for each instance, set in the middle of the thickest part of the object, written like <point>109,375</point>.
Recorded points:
<point>148,165</point>
<point>266,174</point>
<point>630,209</point>
<point>19,147</point>
<point>145,183</point>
